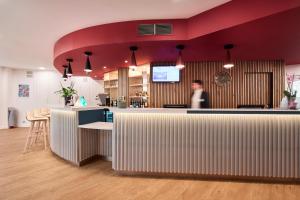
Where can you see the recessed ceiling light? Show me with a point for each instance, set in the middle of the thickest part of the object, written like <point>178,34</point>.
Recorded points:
<point>126,61</point>
<point>95,76</point>
<point>42,68</point>
<point>104,67</point>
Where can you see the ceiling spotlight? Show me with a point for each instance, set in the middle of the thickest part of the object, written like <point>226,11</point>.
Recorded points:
<point>104,67</point>
<point>69,67</point>
<point>179,62</point>
<point>65,77</point>
<point>133,64</point>
<point>88,66</point>
<point>126,61</point>
<point>228,64</point>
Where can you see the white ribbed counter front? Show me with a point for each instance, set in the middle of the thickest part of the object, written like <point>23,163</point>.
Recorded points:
<point>231,143</point>
<point>222,143</point>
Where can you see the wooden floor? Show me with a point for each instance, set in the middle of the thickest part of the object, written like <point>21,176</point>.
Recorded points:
<point>40,175</point>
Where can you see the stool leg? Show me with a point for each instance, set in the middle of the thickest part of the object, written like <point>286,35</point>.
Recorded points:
<point>29,134</point>
<point>45,134</point>
<point>36,131</point>
<point>48,131</point>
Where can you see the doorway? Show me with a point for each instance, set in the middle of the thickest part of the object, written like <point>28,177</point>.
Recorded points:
<point>258,89</point>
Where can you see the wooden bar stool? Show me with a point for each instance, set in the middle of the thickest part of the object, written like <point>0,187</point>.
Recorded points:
<point>45,113</point>
<point>37,128</point>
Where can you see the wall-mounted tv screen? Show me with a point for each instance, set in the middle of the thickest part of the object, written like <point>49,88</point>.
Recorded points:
<point>165,74</point>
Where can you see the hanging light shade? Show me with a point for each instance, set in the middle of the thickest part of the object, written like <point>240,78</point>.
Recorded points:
<point>228,64</point>
<point>88,66</point>
<point>65,77</point>
<point>179,62</point>
<point>133,64</point>
<point>69,68</point>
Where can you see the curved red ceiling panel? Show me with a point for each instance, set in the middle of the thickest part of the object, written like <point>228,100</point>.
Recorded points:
<point>203,34</point>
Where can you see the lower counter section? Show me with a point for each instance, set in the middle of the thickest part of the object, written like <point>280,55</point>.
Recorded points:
<point>95,143</point>
<point>75,144</point>
<point>256,145</point>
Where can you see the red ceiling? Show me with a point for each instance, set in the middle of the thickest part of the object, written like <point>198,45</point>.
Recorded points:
<point>260,30</point>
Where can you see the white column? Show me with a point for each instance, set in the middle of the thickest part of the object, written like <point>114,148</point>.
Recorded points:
<point>4,90</point>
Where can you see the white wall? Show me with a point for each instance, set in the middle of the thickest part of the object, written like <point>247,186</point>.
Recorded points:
<point>43,85</point>
<point>5,74</point>
<point>293,69</point>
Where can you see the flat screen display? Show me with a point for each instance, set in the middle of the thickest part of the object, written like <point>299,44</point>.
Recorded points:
<point>165,74</point>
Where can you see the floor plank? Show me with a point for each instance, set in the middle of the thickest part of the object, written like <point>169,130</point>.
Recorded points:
<point>41,175</point>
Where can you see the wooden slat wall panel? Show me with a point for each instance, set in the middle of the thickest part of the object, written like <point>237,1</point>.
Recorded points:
<point>252,82</point>
<point>228,96</point>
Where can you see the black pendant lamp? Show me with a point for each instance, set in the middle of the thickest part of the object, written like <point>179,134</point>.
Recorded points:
<point>179,62</point>
<point>69,68</point>
<point>228,64</point>
<point>133,64</point>
<point>88,66</point>
<point>65,77</point>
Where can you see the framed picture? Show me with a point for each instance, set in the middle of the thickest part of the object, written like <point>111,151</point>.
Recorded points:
<point>23,90</point>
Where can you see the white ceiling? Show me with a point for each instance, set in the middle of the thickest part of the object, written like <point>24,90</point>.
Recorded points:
<point>29,28</point>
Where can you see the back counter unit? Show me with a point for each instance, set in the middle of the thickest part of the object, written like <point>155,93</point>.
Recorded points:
<point>255,144</point>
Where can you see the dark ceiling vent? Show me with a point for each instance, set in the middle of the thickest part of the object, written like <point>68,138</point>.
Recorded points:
<point>163,29</point>
<point>146,29</point>
<point>29,74</point>
<point>155,29</point>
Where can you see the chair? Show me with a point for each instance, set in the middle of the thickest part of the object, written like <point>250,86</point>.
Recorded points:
<point>38,127</point>
<point>45,112</point>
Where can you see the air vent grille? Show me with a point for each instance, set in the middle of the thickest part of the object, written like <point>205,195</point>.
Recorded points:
<point>155,29</point>
<point>146,29</point>
<point>29,74</point>
<point>163,29</point>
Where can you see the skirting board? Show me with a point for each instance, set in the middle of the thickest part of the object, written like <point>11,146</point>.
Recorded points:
<point>209,177</point>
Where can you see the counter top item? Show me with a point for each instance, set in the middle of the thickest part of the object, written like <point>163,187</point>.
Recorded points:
<point>98,126</point>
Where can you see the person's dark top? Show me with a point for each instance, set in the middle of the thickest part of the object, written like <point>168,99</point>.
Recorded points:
<point>204,100</point>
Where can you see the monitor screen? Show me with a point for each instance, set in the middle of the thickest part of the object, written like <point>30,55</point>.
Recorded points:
<point>165,74</point>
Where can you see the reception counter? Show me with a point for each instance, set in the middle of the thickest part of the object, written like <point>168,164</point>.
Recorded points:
<point>256,144</point>
<point>74,141</point>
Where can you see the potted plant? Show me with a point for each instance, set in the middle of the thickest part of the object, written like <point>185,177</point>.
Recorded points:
<point>67,93</point>
<point>290,93</point>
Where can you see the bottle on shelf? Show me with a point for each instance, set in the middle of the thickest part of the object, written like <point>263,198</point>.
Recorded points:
<point>130,105</point>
